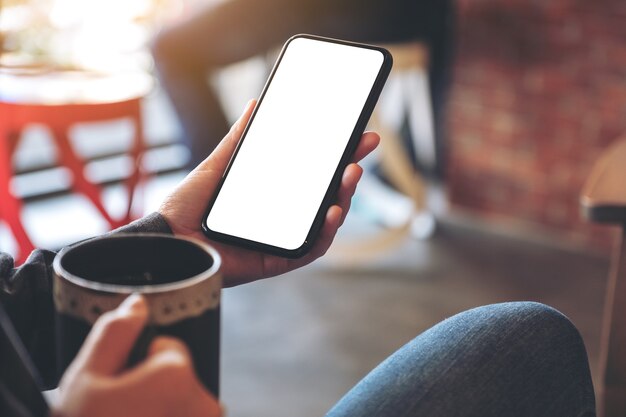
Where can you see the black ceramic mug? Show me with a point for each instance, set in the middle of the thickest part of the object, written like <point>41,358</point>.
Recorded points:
<point>178,277</point>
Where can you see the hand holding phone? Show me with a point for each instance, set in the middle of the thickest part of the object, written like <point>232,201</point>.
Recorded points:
<point>184,210</point>
<point>287,167</point>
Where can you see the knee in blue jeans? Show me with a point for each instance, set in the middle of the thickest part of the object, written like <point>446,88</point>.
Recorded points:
<point>531,321</point>
<point>516,359</point>
<point>540,352</point>
<point>524,328</point>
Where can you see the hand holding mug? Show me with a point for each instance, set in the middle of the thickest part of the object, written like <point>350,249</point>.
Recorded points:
<point>180,284</point>
<point>98,384</point>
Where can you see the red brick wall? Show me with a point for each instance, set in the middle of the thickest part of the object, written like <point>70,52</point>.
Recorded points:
<point>539,90</point>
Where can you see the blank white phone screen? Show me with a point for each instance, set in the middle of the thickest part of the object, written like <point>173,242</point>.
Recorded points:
<point>294,144</point>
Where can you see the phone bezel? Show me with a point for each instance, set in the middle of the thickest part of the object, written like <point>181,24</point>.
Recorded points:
<point>330,195</point>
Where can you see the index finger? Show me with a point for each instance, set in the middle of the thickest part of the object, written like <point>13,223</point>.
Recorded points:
<point>112,337</point>
<point>369,141</point>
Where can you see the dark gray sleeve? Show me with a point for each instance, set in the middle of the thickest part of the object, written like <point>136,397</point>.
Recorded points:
<point>152,223</point>
<point>26,295</point>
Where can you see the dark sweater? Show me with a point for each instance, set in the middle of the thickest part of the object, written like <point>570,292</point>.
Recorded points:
<point>26,298</point>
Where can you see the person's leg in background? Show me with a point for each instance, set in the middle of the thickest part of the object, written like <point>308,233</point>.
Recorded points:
<point>234,30</point>
<point>185,55</point>
<point>513,359</point>
<point>441,37</point>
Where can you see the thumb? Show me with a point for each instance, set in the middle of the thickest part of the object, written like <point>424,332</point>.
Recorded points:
<point>112,337</point>
<point>184,208</point>
<point>218,160</point>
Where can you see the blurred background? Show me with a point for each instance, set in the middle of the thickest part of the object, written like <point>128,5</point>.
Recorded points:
<point>497,152</point>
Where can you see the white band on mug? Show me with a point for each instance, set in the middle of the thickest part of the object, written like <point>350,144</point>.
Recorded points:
<point>165,307</point>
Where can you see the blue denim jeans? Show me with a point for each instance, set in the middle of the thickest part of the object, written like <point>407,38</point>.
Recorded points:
<point>512,359</point>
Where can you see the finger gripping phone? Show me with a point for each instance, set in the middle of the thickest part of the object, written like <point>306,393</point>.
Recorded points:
<point>285,172</point>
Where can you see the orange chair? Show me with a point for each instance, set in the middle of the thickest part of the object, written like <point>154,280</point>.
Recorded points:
<point>59,100</point>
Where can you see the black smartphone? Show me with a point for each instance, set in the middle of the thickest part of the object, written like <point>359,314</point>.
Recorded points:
<point>285,172</point>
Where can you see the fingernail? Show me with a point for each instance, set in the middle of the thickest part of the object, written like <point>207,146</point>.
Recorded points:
<point>134,304</point>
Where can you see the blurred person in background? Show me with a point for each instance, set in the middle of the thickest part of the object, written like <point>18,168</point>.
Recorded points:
<point>226,32</point>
